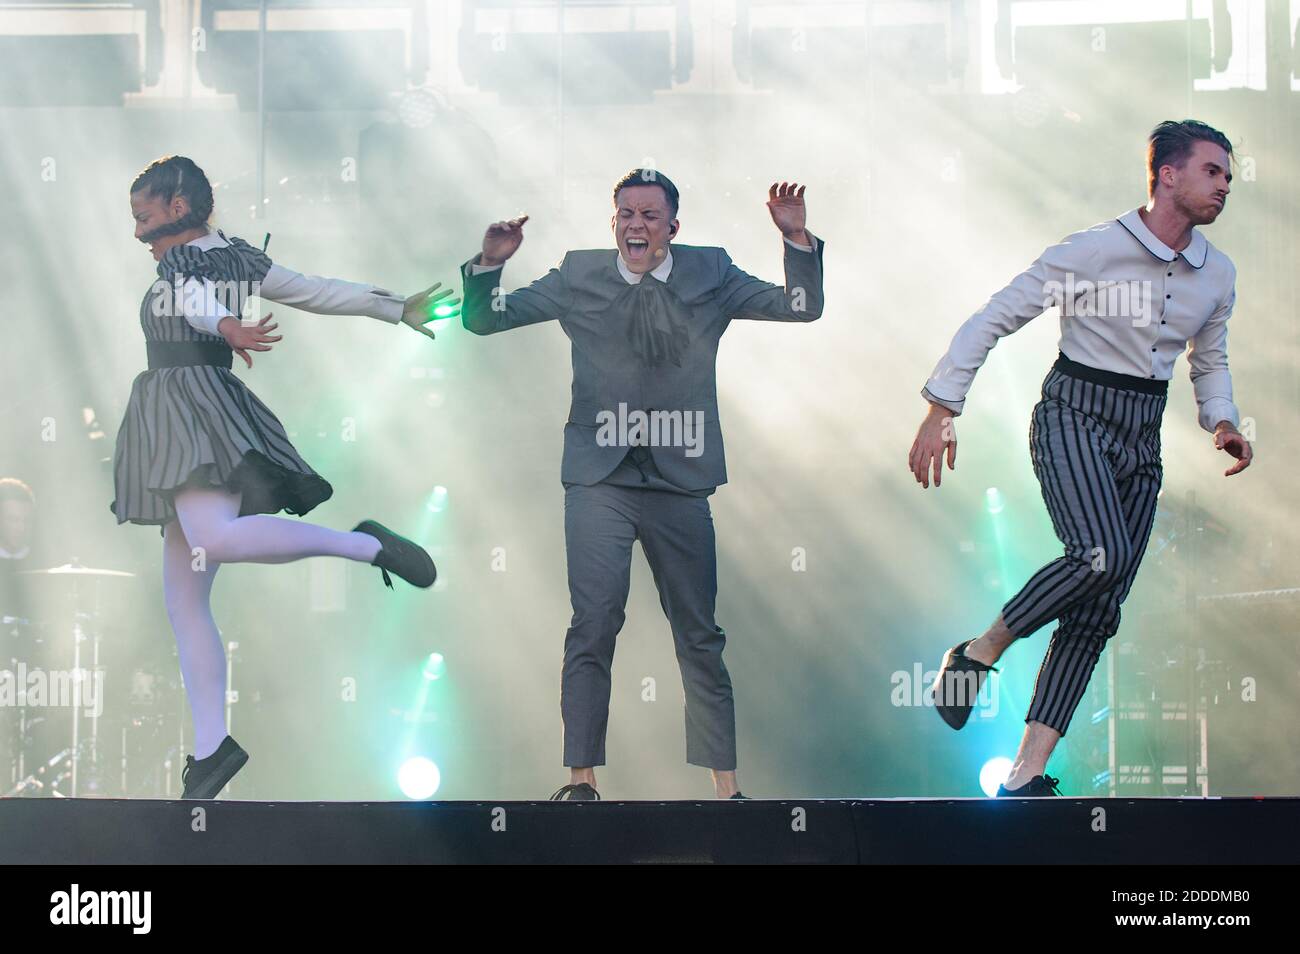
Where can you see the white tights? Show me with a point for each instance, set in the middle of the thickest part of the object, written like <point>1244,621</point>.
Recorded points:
<point>210,532</point>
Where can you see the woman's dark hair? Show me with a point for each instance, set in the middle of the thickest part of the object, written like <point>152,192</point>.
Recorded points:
<point>1171,143</point>
<point>650,177</point>
<point>169,177</point>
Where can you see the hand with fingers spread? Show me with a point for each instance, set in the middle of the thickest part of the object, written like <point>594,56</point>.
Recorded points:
<point>502,240</point>
<point>936,433</point>
<point>1228,438</point>
<point>244,338</point>
<point>419,308</point>
<point>785,202</point>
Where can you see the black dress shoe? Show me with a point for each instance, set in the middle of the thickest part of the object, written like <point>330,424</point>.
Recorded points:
<point>404,557</point>
<point>738,795</point>
<point>957,687</point>
<point>582,792</point>
<point>204,778</point>
<point>1039,786</point>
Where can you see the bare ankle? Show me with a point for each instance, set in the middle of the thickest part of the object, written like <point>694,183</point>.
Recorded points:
<point>578,776</point>
<point>981,650</point>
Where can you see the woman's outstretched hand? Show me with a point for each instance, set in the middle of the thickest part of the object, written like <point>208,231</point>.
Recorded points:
<point>244,338</point>
<point>419,308</point>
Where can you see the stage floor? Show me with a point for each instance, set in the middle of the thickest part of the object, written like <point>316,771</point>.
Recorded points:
<point>836,831</point>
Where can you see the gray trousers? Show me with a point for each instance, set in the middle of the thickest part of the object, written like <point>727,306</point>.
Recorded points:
<point>1096,453</point>
<point>676,533</point>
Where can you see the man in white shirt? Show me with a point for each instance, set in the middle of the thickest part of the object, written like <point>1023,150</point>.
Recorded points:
<point>1133,292</point>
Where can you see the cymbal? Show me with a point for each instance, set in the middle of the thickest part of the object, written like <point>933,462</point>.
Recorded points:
<point>69,570</point>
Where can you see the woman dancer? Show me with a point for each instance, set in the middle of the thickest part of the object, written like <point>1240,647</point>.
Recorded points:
<point>199,455</point>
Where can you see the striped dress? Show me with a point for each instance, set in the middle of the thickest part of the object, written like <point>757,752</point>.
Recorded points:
<point>199,425</point>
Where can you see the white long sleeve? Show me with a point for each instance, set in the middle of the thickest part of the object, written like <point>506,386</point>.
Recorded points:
<point>1026,297</point>
<point>1208,362</point>
<point>202,307</point>
<point>331,296</point>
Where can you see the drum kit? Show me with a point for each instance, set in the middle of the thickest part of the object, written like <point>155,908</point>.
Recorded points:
<point>82,714</point>
<point>1167,704</point>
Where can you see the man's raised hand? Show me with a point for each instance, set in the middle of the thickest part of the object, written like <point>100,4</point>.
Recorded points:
<point>502,240</point>
<point>785,202</point>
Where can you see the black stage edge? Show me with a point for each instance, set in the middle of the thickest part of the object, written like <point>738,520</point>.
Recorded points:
<point>844,831</point>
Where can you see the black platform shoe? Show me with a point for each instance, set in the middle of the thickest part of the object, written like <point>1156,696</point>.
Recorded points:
<point>204,778</point>
<point>738,795</point>
<point>403,557</point>
<point>958,685</point>
<point>1039,786</point>
<point>582,792</point>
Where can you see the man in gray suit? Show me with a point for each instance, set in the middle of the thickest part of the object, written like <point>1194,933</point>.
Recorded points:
<point>643,444</point>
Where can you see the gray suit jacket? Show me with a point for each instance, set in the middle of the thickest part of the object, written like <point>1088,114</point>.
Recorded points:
<point>606,370</point>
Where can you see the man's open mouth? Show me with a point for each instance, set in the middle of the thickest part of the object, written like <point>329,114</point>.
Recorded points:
<point>637,248</point>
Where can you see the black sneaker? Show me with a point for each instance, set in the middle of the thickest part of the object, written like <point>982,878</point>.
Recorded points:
<point>739,795</point>
<point>582,792</point>
<point>957,687</point>
<point>1039,786</point>
<point>404,557</point>
<point>204,778</point>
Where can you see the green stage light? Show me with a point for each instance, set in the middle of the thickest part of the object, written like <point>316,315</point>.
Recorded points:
<point>437,501</point>
<point>434,667</point>
<point>993,501</point>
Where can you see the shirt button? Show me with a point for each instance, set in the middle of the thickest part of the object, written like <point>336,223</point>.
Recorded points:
<point>1162,321</point>
<point>1153,349</point>
<point>1169,296</point>
<point>1171,274</point>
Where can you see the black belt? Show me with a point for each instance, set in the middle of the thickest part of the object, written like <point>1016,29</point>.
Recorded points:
<point>180,354</point>
<point>1110,379</point>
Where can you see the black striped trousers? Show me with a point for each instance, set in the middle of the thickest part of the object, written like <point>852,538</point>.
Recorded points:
<point>1095,444</point>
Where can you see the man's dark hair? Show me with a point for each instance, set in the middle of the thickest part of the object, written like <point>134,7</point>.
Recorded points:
<point>640,177</point>
<point>1171,143</point>
<point>171,176</point>
<point>11,488</point>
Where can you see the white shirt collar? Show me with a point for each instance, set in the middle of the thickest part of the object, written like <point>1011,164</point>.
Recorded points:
<point>209,241</point>
<point>1194,253</point>
<point>660,271</point>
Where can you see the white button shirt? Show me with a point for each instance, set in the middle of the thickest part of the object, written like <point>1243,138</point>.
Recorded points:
<point>1128,304</point>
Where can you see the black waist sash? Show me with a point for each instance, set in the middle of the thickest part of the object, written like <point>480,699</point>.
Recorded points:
<point>180,354</point>
<point>1110,379</point>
